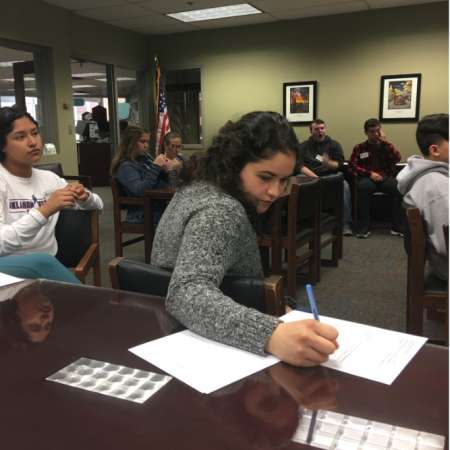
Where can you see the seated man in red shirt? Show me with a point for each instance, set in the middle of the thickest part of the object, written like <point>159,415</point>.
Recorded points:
<point>373,161</point>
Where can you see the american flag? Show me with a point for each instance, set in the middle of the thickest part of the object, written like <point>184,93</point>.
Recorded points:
<point>162,125</point>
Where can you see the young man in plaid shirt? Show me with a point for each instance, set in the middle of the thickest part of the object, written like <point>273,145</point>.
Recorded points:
<point>373,161</point>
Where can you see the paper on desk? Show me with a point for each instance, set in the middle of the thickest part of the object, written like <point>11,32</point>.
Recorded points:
<point>6,279</point>
<point>201,363</point>
<point>365,351</point>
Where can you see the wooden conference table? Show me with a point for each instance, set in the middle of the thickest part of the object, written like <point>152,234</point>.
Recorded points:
<point>262,411</point>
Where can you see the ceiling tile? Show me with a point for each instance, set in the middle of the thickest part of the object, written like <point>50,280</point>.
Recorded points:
<point>323,10</point>
<point>393,3</point>
<point>143,21</point>
<point>178,27</point>
<point>85,4</point>
<point>113,13</point>
<point>235,21</point>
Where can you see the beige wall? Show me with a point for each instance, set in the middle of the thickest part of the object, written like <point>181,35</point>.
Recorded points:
<point>33,22</point>
<point>243,69</point>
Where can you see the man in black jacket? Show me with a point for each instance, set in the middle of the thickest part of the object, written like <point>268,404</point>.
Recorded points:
<point>324,156</point>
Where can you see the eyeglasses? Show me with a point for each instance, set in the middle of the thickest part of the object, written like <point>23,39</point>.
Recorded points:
<point>175,146</point>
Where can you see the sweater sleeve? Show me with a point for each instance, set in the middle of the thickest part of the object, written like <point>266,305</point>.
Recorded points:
<point>18,234</point>
<point>130,178</point>
<point>210,246</point>
<point>435,214</point>
<point>94,201</point>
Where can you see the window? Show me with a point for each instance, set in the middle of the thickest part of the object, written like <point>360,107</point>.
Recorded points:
<point>184,97</point>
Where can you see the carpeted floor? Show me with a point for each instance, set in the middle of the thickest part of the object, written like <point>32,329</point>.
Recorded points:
<point>369,286</point>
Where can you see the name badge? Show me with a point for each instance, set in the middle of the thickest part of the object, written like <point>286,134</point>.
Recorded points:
<point>364,155</point>
<point>319,158</point>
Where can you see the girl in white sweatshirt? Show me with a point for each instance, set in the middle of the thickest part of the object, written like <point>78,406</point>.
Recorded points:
<point>30,199</point>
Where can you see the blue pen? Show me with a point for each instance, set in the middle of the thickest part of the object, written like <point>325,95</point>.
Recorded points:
<point>312,302</point>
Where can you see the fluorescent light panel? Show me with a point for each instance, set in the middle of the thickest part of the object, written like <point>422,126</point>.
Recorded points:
<point>243,9</point>
<point>83,86</point>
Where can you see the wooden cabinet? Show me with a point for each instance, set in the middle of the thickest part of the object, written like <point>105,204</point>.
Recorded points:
<point>94,159</point>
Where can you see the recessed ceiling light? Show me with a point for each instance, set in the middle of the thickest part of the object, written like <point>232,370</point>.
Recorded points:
<point>221,12</point>
<point>83,86</point>
<point>81,93</point>
<point>101,79</point>
<point>87,75</point>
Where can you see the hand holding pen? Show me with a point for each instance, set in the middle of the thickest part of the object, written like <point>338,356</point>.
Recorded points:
<point>304,342</point>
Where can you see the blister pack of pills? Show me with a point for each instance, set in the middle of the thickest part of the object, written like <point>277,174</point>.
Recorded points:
<point>111,379</point>
<point>334,431</point>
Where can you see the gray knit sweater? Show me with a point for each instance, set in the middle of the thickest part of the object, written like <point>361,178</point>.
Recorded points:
<point>203,235</point>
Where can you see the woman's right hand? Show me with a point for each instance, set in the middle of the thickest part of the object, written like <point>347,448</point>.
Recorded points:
<point>58,200</point>
<point>303,343</point>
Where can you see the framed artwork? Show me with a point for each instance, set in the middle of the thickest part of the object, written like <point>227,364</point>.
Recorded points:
<point>300,101</point>
<point>400,97</point>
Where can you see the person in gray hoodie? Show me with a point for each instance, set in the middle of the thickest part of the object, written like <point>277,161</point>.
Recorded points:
<point>424,185</point>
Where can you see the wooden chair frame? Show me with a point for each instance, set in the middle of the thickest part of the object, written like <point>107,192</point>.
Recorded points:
<point>418,297</point>
<point>290,243</point>
<point>334,228</point>
<point>145,230</point>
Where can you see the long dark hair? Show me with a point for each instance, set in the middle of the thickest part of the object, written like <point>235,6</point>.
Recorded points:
<point>127,147</point>
<point>255,136</point>
<point>8,115</point>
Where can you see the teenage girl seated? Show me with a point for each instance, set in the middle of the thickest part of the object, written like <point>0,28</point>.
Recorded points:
<point>30,199</point>
<point>138,171</point>
<point>208,230</point>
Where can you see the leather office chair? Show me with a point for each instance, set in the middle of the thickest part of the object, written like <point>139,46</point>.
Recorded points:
<point>265,295</point>
<point>330,229</point>
<point>422,291</point>
<point>77,234</point>
<point>299,231</point>
<point>121,227</point>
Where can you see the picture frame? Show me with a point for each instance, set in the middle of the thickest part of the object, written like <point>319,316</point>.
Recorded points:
<point>400,97</point>
<point>300,102</point>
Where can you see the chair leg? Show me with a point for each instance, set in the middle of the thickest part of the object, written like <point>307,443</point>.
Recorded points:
<point>97,272</point>
<point>118,244</point>
<point>148,242</point>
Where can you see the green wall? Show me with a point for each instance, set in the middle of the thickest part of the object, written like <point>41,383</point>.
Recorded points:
<point>243,68</point>
<point>67,35</point>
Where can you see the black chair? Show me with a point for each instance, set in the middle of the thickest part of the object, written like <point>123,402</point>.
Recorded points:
<point>423,291</point>
<point>330,224</point>
<point>265,295</point>
<point>77,235</point>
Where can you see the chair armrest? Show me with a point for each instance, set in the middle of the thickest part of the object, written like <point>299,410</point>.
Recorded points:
<point>85,263</point>
<point>273,287</point>
<point>112,269</point>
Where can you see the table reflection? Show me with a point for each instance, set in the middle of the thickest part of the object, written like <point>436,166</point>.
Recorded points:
<point>26,315</point>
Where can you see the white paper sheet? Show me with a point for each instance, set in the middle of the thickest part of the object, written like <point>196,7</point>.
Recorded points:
<point>201,363</point>
<point>365,351</point>
<point>6,279</point>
